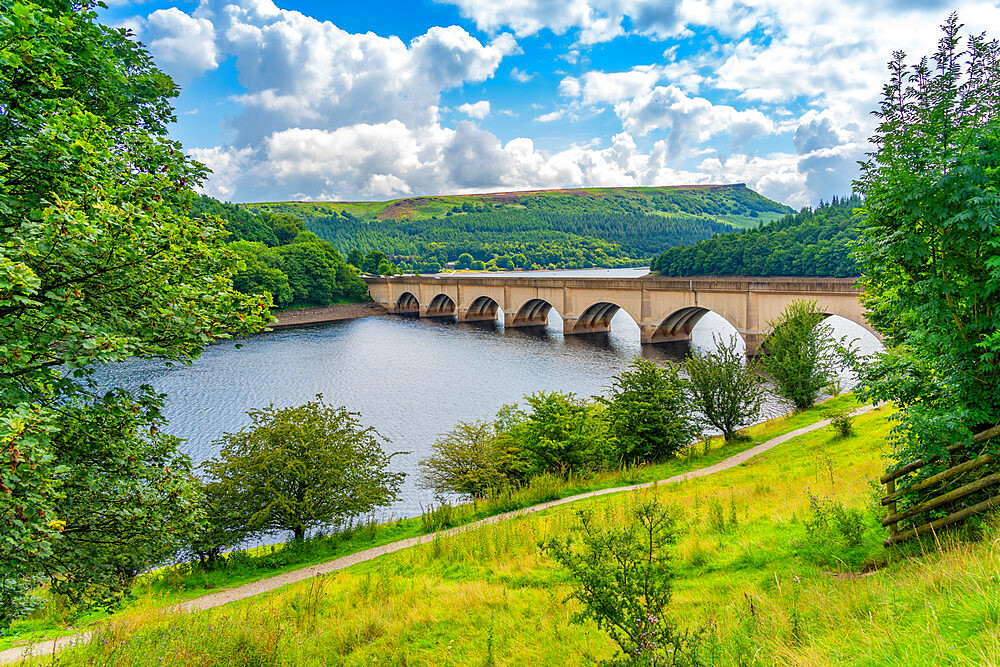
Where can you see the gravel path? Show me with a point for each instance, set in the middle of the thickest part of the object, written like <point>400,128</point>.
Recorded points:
<point>271,583</point>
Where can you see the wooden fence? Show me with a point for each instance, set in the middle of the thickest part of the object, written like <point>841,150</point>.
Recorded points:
<point>981,470</point>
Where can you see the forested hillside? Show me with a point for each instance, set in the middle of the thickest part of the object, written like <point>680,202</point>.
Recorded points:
<point>809,243</point>
<point>281,258</point>
<point>555,228</point>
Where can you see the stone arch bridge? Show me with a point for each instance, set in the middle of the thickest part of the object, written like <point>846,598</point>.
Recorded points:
<point>666,309</point>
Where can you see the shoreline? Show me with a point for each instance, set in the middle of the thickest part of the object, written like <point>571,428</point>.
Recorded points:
<point>323,314</point>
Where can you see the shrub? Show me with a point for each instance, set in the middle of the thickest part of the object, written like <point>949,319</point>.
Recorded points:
<point>467,461</point>
<point>799,353</point>
<point>623,578</point>
<point>842,423</point>
<point>649,411</point>
<point>726,388</point>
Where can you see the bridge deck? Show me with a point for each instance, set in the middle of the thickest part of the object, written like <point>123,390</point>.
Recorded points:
<point>665,308</point>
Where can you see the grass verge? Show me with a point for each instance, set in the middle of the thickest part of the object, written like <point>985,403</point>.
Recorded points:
<point>185,581</point>
<point>759,560</point>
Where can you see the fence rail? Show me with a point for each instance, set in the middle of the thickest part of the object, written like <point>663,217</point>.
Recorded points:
<point>982,466</point>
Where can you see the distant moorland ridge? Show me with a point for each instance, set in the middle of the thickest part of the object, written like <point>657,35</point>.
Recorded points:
<point>561,228</point>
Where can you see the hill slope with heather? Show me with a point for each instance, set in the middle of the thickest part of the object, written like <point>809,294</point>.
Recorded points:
<point>569,228</point>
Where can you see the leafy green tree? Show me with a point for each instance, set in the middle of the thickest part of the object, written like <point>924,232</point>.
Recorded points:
<point>799,353</point>
<point>286,227</point>
<point>304,467</point>
<point>930,244</point>
<point>241,224</point>
<point>649,412</point>
<point>372,260</point>
<point>726,388</point>
<point>355,258</point>
<point>560,434</point>
<point>224,526</point>
<point>99,261</point>
<point>464,261</point>
<point>623,580</point>
<point>478,265</point>
<point>467,460</point>
<point>259,275</point>
<point>386,268</point>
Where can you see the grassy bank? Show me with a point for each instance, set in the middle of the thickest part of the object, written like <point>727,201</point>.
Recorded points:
<point>754,564</point>
<point>183,582</point>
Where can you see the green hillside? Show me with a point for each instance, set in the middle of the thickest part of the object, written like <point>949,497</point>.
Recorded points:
<point>810,243</point>
<point>574,228</point>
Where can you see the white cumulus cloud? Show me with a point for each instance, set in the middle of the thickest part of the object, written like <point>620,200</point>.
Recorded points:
<point>182,45</point>
<point>480,109</point>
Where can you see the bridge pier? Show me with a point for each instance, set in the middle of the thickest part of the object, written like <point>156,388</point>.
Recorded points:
<point>512,321</point>
<point>654,333</point>
<point>471,315</point>
<point>574,327</point>
<point>753,341</point>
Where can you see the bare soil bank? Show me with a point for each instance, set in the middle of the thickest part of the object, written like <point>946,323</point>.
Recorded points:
<point>341,311</point>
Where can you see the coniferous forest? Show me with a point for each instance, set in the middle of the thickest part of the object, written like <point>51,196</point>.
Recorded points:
<point>813,242</point>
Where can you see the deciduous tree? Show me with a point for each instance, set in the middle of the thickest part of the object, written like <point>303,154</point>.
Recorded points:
<point>298,468</point>
<point>468,460</point>
<point>799,353</point>
<point>726,388</point>
<point>649,411</point>
<point>930,243</point>
<point>99,261</point>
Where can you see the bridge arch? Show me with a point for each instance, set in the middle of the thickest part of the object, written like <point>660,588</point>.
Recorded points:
<point>407,303</point>
<point>482,309</point>
<point>532,313</point>
<point>596,318</point>
<point>441,305</point>
<point>679,324</point>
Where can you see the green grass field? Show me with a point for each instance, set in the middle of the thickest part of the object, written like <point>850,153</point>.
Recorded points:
<point>746,564</point>
<point>184,582</point>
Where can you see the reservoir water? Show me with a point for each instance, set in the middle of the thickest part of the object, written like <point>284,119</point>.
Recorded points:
<point>411,379</point>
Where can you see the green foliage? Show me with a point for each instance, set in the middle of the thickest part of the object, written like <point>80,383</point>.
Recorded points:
<point>561,434</point>
<point>386,268</point>
<point>727,389</point>
<point>799,353</point>
<point>286,227</point>
<point>649,411</point>
<point>809,243</point>
<point>300,468</point>
<point>99,261</point>
<point>623,580</point>
<point>830,523</point>
<point>355,258</point>
<point>241,224</point>
<point>930,245</point>
<point>283,261</point>
<point>468,460</point>
<point>372,260</point>
<point>842,423</point>
<point>564,229</point>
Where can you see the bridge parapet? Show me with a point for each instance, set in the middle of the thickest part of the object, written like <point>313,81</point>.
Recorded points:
<point>665,308</point>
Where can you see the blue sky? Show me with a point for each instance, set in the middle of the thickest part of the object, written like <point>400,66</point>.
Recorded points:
<point>390,98</point>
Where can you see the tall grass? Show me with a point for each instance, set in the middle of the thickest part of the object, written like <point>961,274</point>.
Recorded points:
<point>747,563</point>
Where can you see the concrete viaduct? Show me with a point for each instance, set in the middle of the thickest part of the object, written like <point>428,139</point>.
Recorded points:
<point>666,309</point>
